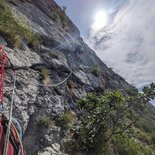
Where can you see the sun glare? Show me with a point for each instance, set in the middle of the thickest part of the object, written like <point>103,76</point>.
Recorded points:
<point>101,20</point>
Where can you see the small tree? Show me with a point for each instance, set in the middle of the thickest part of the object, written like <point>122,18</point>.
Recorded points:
<point>102,117</point>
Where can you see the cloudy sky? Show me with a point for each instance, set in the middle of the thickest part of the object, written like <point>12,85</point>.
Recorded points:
<point>122,32</point>
<point>82,12</point>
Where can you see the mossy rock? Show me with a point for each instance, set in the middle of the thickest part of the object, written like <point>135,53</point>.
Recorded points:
<point>45,122</point>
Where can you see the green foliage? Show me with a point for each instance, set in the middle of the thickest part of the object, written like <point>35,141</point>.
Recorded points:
<point>56,18</point>
<point>57,90</point>
<point>67,119</point>
<point>144,137</point>
<point>125,145</point>
<point>143,124</point>
<point>13,27</point>
<point>103,117</point>
<point>131,91</point>
<point>59,16</point>
<point>153,136</point>
<point>45,75</point>
<point>64,21</point>
<point>149,94</point>
<point>95,70</point>
<point>100,115</point>
<point>33,41</point>
<point>45,122</point>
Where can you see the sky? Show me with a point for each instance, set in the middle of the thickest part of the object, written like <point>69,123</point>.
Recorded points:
<point>126,43</point>
<point>82,11</point>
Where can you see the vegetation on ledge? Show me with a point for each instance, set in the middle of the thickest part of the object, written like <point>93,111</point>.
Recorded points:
<point>108,124</point>
<point>13,28</point>
<point>60,18</point>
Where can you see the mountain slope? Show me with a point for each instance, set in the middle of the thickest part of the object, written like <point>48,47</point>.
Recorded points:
<point>60,52</point>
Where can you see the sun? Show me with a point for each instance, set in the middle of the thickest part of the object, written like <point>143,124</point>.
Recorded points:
<point>100,21</point>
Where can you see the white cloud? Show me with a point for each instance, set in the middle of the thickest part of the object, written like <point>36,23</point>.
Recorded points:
<point>128,44</point>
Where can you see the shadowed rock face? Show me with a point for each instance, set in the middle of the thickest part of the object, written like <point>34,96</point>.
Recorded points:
<point>58,55</point>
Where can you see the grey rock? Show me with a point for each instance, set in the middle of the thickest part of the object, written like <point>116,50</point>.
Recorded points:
<point>33,102</point>
<point>82,77</point>
<point>95,81</point>
<point>23,58</point>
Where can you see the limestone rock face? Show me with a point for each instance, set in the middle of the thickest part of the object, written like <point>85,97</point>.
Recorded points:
<point>54,149</point>
<point>38,107</point>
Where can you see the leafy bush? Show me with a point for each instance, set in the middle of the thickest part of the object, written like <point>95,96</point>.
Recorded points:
<point>131,91</point>
<point>100,114</point>
<point>45,122</point>
<point>144,137</point>
<point>153,137</point>
<point>60,17</point>
<point>67,119</point>
<point>95,70</point>
<point>144,124</point>
<point>64,21</point>
<point>103,117</point>
<point>44,73</point>
<point>13,27</point>
<point>56,18</point>
<point>34,41</point>
<point>125,145</point>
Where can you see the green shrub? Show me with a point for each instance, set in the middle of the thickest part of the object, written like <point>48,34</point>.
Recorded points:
<point>145,137</point>
<point>143,124</point>
<point>64,20</point>
<point>131,91</point>
<point>153,137</point>
<point>45,75</point>
<point>99,115</point>
<point>60,17</point>
<point>95,70</point>
<point>34,41</point>
<point>56,18</point>
<point>103,117</point>
<point>57,90</point>
<point>45,122</point>
<point>127,146</point>
<point>13,27</point>
<point>67,119</point>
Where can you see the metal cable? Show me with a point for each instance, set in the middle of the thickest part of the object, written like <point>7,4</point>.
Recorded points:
<point>53,85</point>
<point>12,99</point>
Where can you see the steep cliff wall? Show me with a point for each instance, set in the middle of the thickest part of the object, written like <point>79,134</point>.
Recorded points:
<point>60,52</point>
